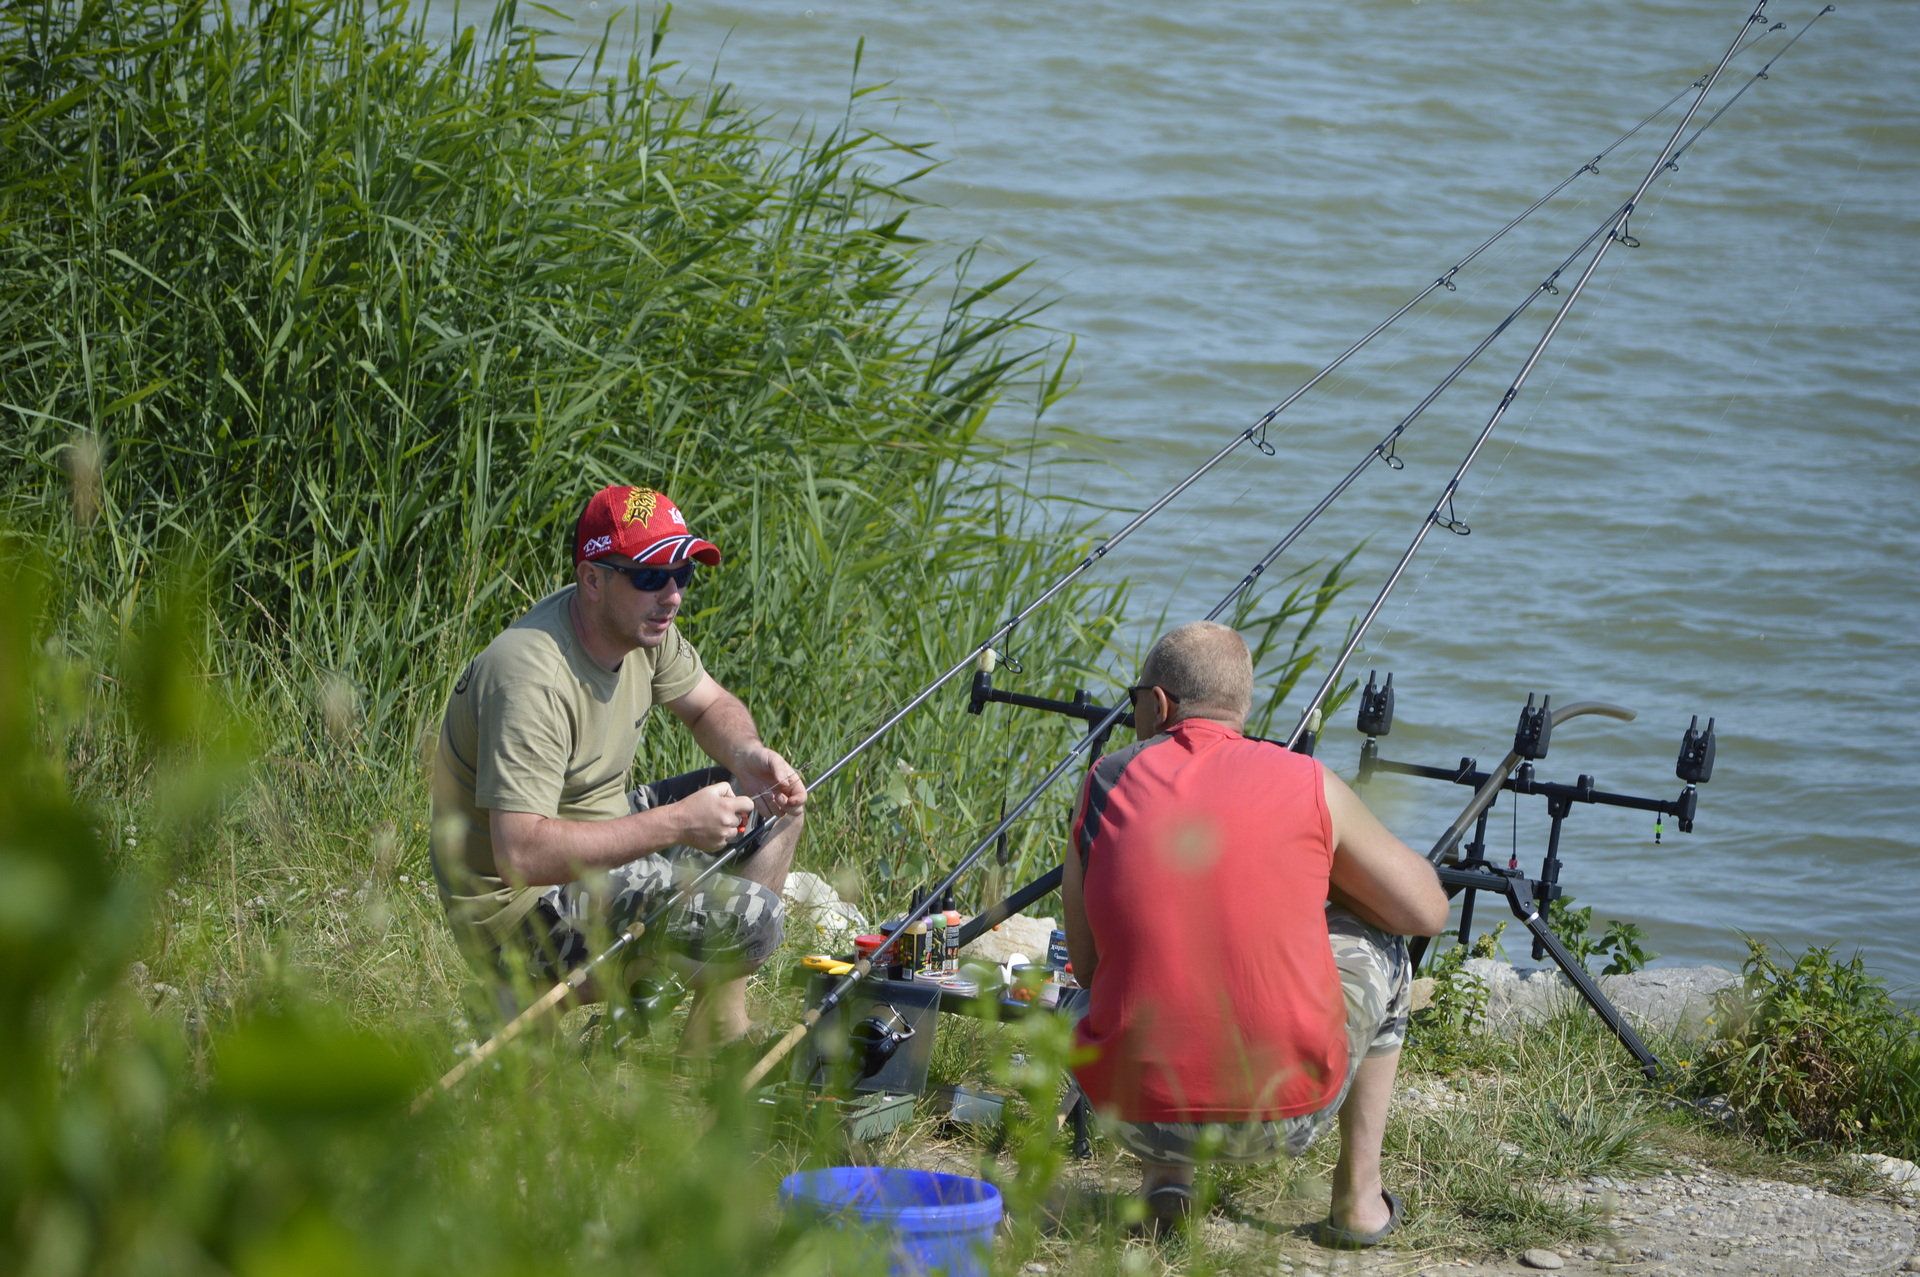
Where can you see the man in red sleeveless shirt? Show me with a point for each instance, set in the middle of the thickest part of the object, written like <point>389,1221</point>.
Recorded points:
<point>1238,918</point>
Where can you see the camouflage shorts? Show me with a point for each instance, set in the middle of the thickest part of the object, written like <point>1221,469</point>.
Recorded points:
<point>1376,979</point>
<point>729,922</point>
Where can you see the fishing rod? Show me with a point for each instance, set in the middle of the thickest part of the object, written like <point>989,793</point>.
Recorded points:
<point>1618,224</point>
<point>1255,433</point>
<point>1384,451</point>
<point>1450,520</point>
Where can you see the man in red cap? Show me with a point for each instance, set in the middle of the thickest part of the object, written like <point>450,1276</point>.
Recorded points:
<point>541,850</point>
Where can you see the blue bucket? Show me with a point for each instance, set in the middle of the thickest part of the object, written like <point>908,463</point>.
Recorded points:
<point>937,1223</point>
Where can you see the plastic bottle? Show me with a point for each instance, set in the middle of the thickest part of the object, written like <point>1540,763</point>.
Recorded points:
<point>916,942</point>
<point>935,967</point>
<point>953,942</point>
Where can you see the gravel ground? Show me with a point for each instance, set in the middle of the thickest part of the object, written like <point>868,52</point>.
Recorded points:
<point>1694,1221</point>
<point>1682,1223</point>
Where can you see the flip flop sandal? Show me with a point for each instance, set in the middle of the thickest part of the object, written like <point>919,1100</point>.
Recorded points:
<point>1333,1237</point>
<point>1169,1206</point>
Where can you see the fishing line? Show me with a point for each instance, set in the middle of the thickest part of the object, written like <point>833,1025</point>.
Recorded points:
<point>1619,234</point>
<point>1442,514</point>
<point>1786,305</point>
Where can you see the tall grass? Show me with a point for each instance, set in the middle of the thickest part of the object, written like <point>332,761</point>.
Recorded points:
<point>366,318</point>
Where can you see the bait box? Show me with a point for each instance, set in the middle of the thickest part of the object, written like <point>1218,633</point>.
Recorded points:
<point>861,1117</point>
<point>966,1106</point>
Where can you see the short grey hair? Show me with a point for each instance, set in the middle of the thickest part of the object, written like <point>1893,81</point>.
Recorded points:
<point>1206,667</point>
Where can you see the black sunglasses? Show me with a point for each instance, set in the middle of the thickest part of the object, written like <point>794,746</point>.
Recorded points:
<point>1137,688</point>
<point>654,579</point>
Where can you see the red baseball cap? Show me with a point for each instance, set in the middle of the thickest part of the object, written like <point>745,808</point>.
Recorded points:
<point>640,525</point>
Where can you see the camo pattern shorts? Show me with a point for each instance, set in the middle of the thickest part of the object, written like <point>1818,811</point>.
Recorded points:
<point>1376,978</point>
<point>729,922</point>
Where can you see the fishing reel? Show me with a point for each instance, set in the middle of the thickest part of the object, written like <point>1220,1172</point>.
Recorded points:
<point>878,1038</point>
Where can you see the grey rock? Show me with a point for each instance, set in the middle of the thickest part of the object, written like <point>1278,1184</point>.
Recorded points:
<point>1019,934</point>
<point>1543,1259</point>
<point>1666,999</point>
<point>1900,1175</point>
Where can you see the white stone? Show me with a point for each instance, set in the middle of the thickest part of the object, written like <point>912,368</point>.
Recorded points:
<point>1543,1259</point>
<point>816,915</point>
<point>1018,934</point>
<point>1903,1176</point>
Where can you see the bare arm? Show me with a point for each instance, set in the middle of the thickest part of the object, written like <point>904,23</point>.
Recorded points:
<point>1073,907</point>
<point>1375,875</point>
<point>725,731</point>
<point>537,851</point>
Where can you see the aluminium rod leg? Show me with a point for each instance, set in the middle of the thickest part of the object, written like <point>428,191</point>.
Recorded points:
<point>1525,910</point>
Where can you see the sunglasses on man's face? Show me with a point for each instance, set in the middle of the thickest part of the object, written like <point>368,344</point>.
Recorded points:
<point>652,580</point>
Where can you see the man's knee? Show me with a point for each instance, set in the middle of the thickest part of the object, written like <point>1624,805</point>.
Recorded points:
<point>770,860</point>
<point>746,928</point>
<point>1376,978</point>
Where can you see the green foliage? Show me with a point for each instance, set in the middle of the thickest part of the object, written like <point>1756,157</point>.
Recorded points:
<point>363,319</point>
<point>367,318</point>
<point>1448,1026</point>
<point>272,1134</point>
<point>1621,944</point>
<point>1817,1051</point>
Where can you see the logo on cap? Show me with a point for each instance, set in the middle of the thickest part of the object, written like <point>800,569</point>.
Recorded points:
<point>640,503</point>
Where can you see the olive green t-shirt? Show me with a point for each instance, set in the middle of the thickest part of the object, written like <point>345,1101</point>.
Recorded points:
<point>535,725</point>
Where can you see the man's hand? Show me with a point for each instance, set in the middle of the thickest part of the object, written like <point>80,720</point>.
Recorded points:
<point>709,817</point>
<point>726,732</point>
<point>775,786</point>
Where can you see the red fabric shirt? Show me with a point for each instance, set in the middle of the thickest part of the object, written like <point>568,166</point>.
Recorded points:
<point>1215,999</point>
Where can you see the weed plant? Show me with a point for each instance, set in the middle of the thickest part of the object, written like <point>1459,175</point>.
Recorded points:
<point>1622,944</point>
<point>1817,1051</point>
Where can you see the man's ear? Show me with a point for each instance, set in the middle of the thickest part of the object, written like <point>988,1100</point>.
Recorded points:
<point>587,579</point>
